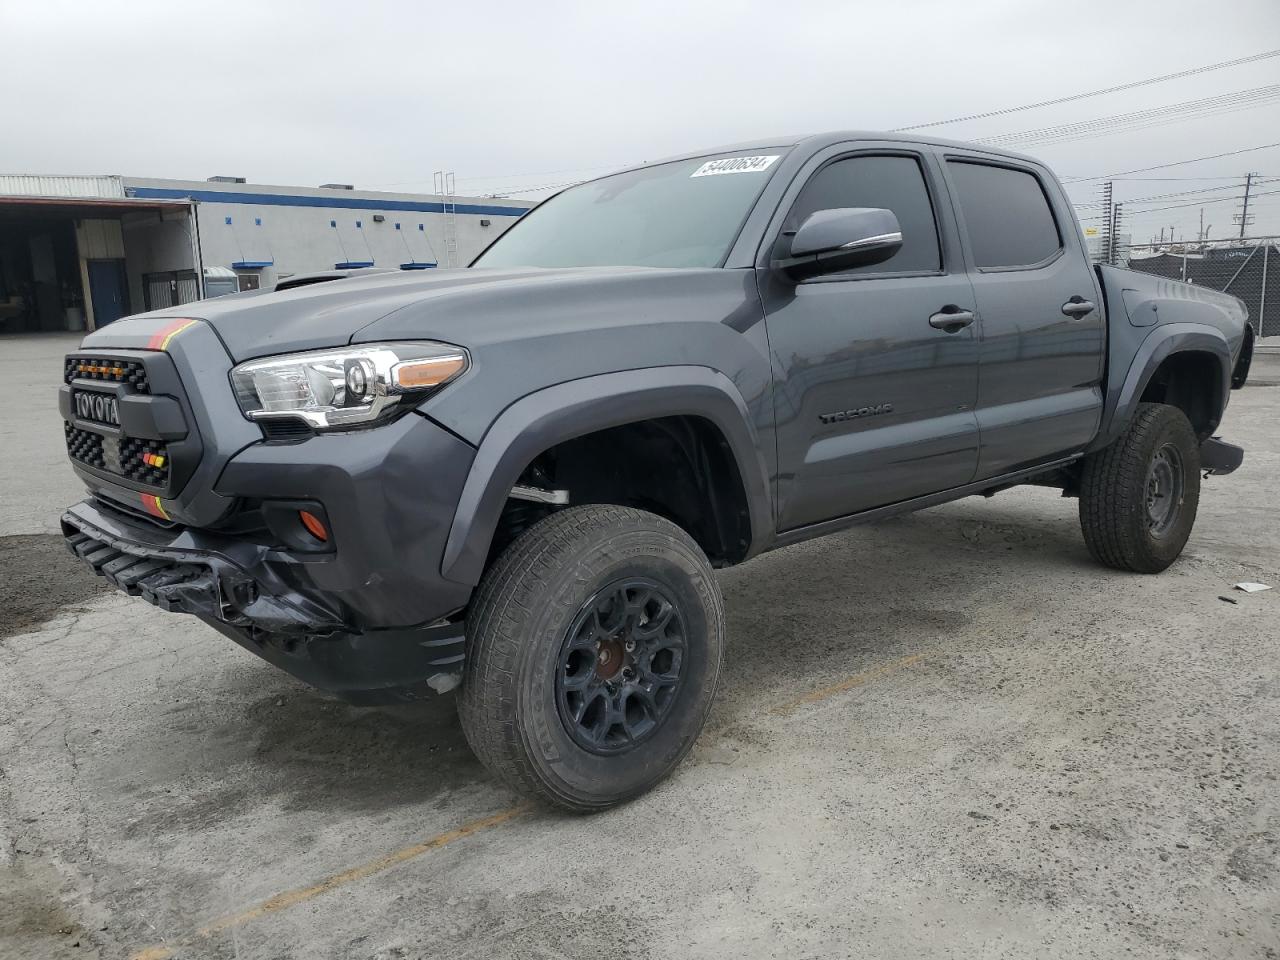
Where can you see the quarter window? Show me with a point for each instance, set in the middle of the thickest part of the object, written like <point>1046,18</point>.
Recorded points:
<point>1006,215</point>
<point>892,183</point>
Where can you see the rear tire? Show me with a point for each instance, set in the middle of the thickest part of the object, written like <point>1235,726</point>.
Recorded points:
<point>1138,495</point>
<point>594,645</point>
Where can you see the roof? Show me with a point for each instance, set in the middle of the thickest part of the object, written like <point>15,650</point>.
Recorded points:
<point>89,193</point>
<point>817,141</point>
<point>66,187</point>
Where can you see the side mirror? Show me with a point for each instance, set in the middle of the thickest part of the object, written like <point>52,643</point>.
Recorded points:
<point>833,240</point>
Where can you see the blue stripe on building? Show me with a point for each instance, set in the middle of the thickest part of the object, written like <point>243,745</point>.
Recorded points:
<point>351,203</point>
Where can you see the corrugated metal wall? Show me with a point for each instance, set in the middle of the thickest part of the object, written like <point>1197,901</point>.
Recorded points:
<point>98,188</point>
<point>100,239</point>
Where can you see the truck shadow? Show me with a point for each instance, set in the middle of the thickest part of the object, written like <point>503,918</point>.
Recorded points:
<point>797,619</point>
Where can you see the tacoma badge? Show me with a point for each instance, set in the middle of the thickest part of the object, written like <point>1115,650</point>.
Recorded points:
<point>856,413</point>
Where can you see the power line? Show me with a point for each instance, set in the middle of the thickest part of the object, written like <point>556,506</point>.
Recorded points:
<point>1203,203</point>
<point>1175,163</point>
<point>1180,193</point>
<point>1217,176</point>
<point>1093,93</point>
<point>1141,119</point>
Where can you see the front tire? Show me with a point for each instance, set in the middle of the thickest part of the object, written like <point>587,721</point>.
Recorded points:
<point>1139,494</point>
<point>594,645</point>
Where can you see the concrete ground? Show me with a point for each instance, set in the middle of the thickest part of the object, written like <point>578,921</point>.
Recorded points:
<point>949,735</point>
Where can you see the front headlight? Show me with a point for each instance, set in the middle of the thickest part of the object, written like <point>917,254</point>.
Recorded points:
<point>345,386</point>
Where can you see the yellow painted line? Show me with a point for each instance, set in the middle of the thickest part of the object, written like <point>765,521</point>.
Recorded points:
<point>857,680</point>
<point>291,898</point>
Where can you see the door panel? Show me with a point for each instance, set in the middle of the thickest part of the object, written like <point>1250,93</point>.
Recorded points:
<point>107,291</point>
<point>872,404</point>
<point>1039,369</point>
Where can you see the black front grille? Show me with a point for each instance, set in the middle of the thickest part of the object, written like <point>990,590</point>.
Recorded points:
<point>146,461</point>
<point>129,422</point>
<point>105,369</point>
<point>85,447</point>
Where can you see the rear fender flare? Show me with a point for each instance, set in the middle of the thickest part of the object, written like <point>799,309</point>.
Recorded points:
<point>1164,342</point>
<point>553,415</point>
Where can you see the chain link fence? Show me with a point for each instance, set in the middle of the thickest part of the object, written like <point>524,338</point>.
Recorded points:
<point>1248,269</point>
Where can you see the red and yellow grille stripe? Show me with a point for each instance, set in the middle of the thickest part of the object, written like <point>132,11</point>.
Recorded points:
<point>153,506</point>
<point>161,339</point>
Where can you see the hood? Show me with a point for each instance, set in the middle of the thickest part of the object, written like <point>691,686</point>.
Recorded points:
<point>447,305</point>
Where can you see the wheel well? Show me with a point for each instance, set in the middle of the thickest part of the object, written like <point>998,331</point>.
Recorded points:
<point>1192,382</point>
<point>681,468</point>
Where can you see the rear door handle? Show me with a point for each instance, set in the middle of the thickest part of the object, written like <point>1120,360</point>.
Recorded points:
<point>952,319</point>
<point>1078,307</point>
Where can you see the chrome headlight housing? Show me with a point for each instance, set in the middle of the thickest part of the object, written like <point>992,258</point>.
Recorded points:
<point>346,386</point>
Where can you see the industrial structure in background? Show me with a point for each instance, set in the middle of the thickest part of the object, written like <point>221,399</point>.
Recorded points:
<point>79,252</point>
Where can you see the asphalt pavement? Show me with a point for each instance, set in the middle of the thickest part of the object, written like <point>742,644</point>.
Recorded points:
<point>946,735</point>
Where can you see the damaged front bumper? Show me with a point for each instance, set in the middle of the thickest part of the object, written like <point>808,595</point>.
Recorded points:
<point>231,584</point>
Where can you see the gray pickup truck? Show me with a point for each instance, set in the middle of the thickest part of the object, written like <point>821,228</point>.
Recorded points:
<point>517,478</point>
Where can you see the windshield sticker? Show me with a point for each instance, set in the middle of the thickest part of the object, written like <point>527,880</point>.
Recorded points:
<point>714,168</point>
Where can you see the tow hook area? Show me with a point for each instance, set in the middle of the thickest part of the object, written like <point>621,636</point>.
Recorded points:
<point>1218,458</point>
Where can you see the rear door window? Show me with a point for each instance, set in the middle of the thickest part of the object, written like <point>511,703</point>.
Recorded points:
<point>1006,215</point>
<point>890,182</point>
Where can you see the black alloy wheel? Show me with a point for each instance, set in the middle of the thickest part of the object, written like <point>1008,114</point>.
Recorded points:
<point>619,668</point>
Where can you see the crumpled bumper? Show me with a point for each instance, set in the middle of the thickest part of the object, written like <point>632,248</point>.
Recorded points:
<point>223,581</point>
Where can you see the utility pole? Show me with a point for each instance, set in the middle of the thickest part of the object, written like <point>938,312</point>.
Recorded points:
<point>1243,216</point>
<point>1106,247</point>
<point>1115,232</point>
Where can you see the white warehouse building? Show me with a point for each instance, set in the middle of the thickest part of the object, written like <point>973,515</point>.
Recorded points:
<point>79,252</point>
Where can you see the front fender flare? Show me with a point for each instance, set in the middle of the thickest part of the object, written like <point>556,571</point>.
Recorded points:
<point>1163,342</point>
<point>555,414</point>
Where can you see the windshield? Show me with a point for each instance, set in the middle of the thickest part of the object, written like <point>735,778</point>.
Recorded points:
<point>680,214</point>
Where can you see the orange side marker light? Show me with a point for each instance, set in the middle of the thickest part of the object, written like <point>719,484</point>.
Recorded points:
<point>314,525</point>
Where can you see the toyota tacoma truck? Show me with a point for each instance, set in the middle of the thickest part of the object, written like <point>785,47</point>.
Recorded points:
<point>517,478</point>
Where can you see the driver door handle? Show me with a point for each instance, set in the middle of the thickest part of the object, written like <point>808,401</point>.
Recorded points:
<point>952,319</point>
<point>1078,307</point>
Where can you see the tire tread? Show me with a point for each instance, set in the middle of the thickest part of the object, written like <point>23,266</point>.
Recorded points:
<point>1113,484</point>
<point>495,635</point>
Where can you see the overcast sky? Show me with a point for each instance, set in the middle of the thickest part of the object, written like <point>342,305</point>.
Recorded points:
<point>516,95</point>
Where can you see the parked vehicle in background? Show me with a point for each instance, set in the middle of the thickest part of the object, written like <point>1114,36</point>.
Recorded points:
<point>520,476</point>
